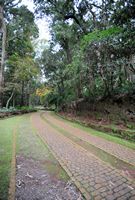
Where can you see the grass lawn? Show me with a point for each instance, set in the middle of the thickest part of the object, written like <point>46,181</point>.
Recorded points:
<point>89,130</point>
<point>6,135</point>
<point>28,145</point>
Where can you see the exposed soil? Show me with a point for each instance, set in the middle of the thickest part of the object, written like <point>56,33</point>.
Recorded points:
<point>117,112</point>
<point>93,120</point>
<point>33,182</point>
<point>102,124</point>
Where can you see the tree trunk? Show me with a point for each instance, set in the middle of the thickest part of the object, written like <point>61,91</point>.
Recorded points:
<point>22,94</point>
<point>28,94</point>
<point>8,101</point>
<point>65,44</point>
<point>13,101</point>
<point>2,51</point>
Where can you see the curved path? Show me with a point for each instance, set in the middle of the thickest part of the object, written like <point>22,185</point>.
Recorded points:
<point>119,151</point>
<point>94,178</point>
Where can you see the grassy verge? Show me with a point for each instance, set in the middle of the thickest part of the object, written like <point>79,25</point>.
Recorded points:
<point>95,132</point>
<point>6,136</point>
<point>9,113</point>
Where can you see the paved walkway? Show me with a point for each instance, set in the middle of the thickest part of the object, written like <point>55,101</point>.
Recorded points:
<point>95,179</point>
<point>119,151</point>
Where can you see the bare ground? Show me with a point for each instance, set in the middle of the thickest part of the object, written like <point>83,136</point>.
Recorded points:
<point>33,182</point>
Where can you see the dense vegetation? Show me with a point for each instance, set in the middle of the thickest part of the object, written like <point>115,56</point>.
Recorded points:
<point>20,70</point>
<point>90,55</point>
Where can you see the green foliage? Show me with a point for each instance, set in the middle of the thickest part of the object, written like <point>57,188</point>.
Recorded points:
<point>98,67</point>
<point>17,108</point>
<point>21,69</point>
<point>5,110</point>
<point>21,30</point>
<point>89,56</point>
<point>98,35</point>
<point>26,108</point>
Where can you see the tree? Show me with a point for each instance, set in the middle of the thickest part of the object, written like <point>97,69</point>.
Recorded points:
<point>26,70</point>
<point>43,92</point>
<point>92,48</point>
<point>21,31</point>
<point>21,68</point>
<point>2,50</point>
<point>5,6</point>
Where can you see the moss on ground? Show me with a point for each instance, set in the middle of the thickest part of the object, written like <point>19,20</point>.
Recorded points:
<point>34,148</point>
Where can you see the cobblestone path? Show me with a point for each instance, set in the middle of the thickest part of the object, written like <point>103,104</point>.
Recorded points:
<point>94,178</point>
<point>119,151</point>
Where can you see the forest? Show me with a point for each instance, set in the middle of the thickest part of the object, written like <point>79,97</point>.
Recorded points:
<point>88,64</point>
<point>67,101</point>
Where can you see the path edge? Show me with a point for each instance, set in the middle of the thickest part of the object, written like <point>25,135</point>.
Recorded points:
<point>12,183</point>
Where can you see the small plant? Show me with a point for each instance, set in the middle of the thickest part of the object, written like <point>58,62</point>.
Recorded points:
<point>130,126</point>
<point>4,109</point>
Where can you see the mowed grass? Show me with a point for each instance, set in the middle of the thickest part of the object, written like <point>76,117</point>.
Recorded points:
<point>6,136</point>
<point>91,131</point>
<point>28,145</point>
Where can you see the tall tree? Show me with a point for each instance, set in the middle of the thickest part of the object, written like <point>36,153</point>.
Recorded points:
<point>2,50</point>
<point>5,6</point>
<point>97,38</point>
<point>21,30</point>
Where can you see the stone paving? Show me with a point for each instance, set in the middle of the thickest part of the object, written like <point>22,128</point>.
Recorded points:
<point>119,151</point>
<point>94,178</point>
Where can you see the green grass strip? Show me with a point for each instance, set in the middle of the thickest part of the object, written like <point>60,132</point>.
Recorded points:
<point>91,131</point>
<point>6,143</point>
